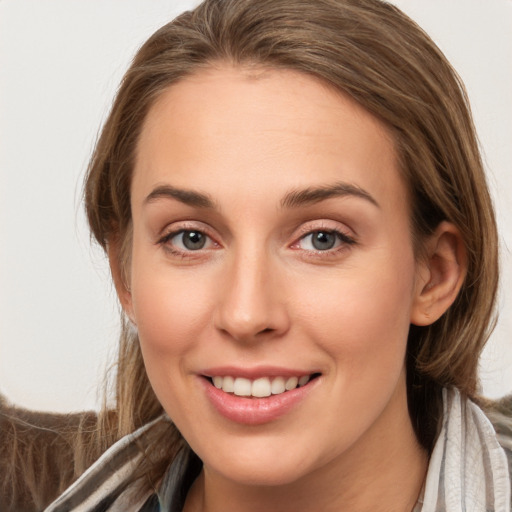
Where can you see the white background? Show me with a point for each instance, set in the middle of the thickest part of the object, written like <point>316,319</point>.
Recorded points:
<point>60,63</point>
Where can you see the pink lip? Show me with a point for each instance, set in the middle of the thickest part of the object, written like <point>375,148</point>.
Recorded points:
<point>255,411</point>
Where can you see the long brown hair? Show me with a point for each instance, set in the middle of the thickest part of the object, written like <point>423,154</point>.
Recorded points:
<point>371,51</point>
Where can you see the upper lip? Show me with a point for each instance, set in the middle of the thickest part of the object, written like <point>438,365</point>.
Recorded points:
<point>255,372</point>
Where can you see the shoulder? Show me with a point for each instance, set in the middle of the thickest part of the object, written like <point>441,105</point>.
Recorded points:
<point>109,483</point>
<point>36,455</point>
<point>499,413</point>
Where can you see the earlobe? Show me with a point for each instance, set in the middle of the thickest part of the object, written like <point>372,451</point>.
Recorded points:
<point>117,268</point>
<point>440,276</point>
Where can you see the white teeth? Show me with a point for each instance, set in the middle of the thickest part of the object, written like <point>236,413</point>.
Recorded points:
<point>303,380</point>
<point>228,384</point>
<point>242,387</point>
<point>291,383</point>
<point>278,386</point>
<point>259,388</point>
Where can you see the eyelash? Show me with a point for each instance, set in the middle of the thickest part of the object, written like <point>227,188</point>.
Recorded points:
<point>166,239</point>
<point>343,240</point>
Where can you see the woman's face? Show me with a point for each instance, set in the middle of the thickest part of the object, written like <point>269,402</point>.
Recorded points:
<point>271,244</point>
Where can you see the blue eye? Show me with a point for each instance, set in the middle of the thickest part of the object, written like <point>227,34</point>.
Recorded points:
<point>324,240</point>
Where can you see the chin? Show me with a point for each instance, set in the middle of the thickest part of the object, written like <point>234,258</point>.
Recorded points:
<point>262,474</point>
<point>262,464</point>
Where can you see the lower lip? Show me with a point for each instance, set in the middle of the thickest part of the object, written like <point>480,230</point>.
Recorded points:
<point>255,411</point>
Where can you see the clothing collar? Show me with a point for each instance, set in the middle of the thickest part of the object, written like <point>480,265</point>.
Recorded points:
<point>468,469</point>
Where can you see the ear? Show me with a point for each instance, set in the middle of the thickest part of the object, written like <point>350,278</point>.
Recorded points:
<point>440,274</point>
<point>120,277</point>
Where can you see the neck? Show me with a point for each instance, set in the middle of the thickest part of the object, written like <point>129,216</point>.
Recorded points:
<point>384,471</point>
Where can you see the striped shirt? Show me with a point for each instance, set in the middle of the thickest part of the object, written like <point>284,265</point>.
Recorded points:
<point>105,486</point>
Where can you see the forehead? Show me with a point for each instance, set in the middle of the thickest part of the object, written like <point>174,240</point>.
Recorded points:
<point>230,128</point>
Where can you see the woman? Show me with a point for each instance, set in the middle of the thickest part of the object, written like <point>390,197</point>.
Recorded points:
<point>301,237</point>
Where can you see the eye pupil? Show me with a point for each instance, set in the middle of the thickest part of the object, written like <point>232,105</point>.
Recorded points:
<point>193,240</point>
<point>323,240</point>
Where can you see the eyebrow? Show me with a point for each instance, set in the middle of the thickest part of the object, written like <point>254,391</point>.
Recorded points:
<point>293,199</point>
<point>189,197</point>
<point>312,195</point>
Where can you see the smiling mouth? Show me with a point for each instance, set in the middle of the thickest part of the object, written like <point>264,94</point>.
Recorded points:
<point>261,387</point>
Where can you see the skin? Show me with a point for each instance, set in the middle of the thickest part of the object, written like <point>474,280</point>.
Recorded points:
<point>259,293</point>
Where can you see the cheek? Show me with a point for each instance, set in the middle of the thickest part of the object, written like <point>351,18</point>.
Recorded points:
<point>362,315</point>
<point>169,307</point>
<point>171,312</point>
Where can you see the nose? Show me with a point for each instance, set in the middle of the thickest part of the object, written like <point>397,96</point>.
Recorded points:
<point>252,302</point>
